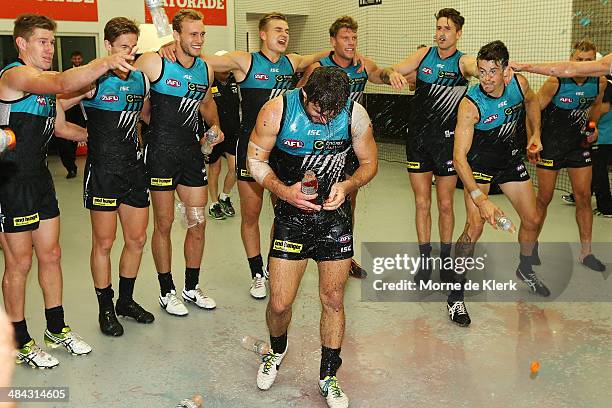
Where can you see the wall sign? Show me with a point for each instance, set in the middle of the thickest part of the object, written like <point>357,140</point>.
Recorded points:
<point>214,11</point>
<point>63,10</point>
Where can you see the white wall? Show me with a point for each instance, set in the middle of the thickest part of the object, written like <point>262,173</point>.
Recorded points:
<point>217,37</point>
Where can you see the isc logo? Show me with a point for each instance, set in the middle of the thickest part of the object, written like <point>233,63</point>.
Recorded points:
<point>314,132</point>
<point>274,70</point>
<point>109,98</point>
<point>173,82</point>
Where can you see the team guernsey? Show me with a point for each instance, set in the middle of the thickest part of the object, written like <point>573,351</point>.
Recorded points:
<point>264,81</point>
<point>27,195</point>
<point>115,171</point>
<point>227,99</point>
<point>173,153</point>
<point>357,80</point>
<point>496,152</point>
<point>302,145</point>
<point>562,122</point>
<point>440,85</point>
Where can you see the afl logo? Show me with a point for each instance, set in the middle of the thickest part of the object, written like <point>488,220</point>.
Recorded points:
<point>490,119</point>
<point>173,82</point>
<point>565,99</point>
<point>109,98</point>
<point>345,238</point>
<point>293,143</point>
<point>41,100</point>
<point>427,71</point>
<point>261,77</point>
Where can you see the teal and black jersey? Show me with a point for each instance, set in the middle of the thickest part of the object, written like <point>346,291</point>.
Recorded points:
<point>440,85</point>
<point>112,114</point>
<point>302,145</point>
<point>567,113</point>
<point>357,80</point>
<point>264,81</point>
<point>495,144</point>
<point>32,119</point>
<point>175,102</point>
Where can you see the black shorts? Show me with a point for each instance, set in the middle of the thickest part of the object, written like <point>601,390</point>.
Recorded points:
<point>514,172</point>
<point>242,171</point>
<point>423,156</point>
<point>26,201</point>
<point>227,146</point>
<point>105,187</point>
<point>322,236</point>
<point>171,165</point>
<point>575,158</point>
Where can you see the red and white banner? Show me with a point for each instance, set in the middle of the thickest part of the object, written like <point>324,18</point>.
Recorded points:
<point>63,10</point>
<point>214,11</point>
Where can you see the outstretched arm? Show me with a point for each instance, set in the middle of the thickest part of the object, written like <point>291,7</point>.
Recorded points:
<point>395,75</point>
<point>567,69</point>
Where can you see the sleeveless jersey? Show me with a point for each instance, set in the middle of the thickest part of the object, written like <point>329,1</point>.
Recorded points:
<point>357,80</point>
<point>32,119</point>
<point>175,102</point>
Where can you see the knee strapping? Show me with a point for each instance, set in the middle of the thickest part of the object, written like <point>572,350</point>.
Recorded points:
<point>190,216</point>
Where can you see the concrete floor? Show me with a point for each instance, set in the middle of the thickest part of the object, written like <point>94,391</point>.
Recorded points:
<point>395,354</point>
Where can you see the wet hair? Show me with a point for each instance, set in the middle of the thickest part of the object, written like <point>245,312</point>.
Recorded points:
<point>25,25</point>
<point>263,22</point>
<point>453,15</point>
<point>343,22</point>
<point>494,51</point>
<point>185,14</point>
<point>118,26</point>
<point>584,46</point>
<point>328,88</point>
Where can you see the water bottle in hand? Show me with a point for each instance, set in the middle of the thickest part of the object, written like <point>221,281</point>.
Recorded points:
<point>504,223</point>
<point>587,132</point>
<point>7,139</point>
<point>255,345</point>
<point>310,186</point>
<point>159,17</point>
<point>209,138</point>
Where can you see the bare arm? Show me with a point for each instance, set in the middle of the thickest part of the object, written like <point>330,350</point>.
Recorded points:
<point>366,152</point>
<point>596,110</point>
<point>26,79</point>
<point>547,91</point>
<point>307,74</point>
<point>67,130</point>
<point>468,66</point>
<point>567,69</point>
<point>467,117</point>
<point>302,62</point>
<point>373,72</point>
<point>394,75</point>
<point>533,119</point>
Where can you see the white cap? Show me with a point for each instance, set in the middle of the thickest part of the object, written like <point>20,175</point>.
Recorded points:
<point>220,53</point>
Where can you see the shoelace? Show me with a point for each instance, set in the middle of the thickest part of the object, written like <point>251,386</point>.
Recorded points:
<point>532,280</point>
<point>36,351</point>
<point>268,360</point>
<point>200,293</point>
<point>335,388</point>
<point>173,300</point>
<point>259,282</point>
<point>458,308</point>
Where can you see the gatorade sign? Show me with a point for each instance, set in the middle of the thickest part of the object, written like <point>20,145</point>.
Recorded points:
<point>214,11</point>
<point>63,10</point>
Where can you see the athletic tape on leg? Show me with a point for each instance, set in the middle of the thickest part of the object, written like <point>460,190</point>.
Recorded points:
<point>190,216</point>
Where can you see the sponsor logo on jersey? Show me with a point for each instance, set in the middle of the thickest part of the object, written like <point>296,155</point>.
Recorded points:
<point>446,74</point>
<point>188,77</point>
<point>490,119</point>
<point>286,246</point>
<point>345,238</point>
<point>26,220</point>
<point>124,88</point>
<point>328,144</point>
<point>314,132</point>
<point>197,87</point>
<point>566,99</point>
<point>109,98</point>
<point>41,100</point>
<point>161,182</point>
<point>105,202</point>
<point>281,78</point>
<point>131,98</point>
<point>173,82</point>
<point>261,77</point>
<point>275,70</point>
<point>583,100</point>
<point>347,248</point>
<point>293,143</point>
<point>513,109</point>
<point>481,176</point>
<point>413,165</point>
<point>546,162</point>
<point>427,71</point>
<point>502,104</point>
<point>244,173</point>
<point>215,90</point>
